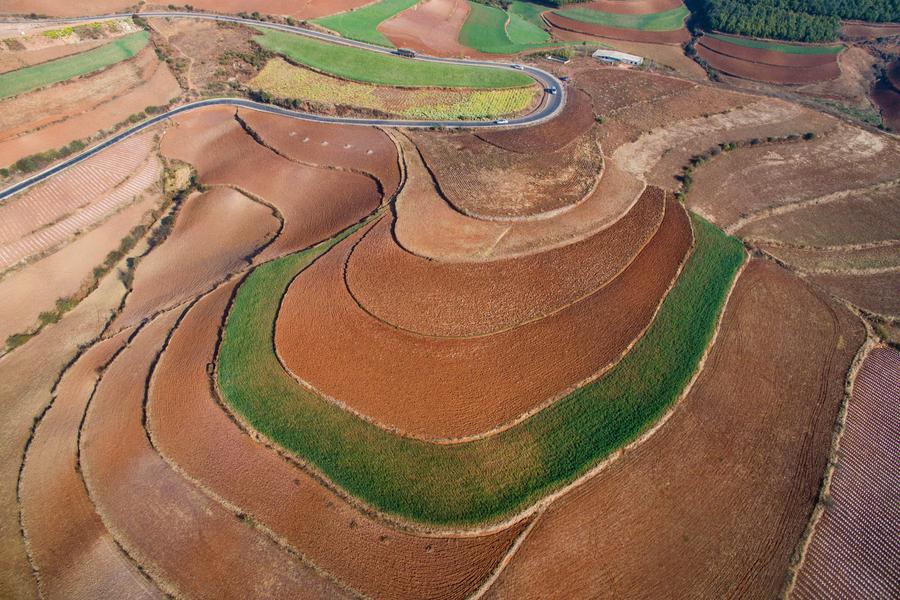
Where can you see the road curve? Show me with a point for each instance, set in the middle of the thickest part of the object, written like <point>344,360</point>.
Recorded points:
<point>551,104</point>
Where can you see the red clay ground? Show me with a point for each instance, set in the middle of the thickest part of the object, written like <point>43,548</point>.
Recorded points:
<point>73,553</point>
<point>368,555</point>
<point>214,235</point>
<point>854,547</point>
<point>440,388</point>
<point>875,293</point>
<point>203,549</point>
<point>714,503</point>
<point>470,299</point>
<point>12,60</point>
<point>766,72</point>
<point>862,30</point>
<point>304,9</point>
<point>357,149</point>
<point>767,57</point>
<point>431,27</point>
<point>678,36</point>
<point>315,203</point>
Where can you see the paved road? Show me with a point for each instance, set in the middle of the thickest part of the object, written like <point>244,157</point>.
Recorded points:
<point>551,104</point>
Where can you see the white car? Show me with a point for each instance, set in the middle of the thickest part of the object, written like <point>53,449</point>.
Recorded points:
<point>502,121</point>
<point>519,67</point>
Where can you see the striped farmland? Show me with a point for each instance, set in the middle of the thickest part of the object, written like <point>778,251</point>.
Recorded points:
<point>855,551</point>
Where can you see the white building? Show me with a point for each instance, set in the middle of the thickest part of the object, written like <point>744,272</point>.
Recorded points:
<point>614,56</point>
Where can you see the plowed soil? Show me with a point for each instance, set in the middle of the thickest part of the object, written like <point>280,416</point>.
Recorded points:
<point>371,557</point>
<point>854,547</point>
<point>575,119</point>
<point>875,293</point>
<point>179,535</point>
<point>868,31</point>
<point>64,9</point>
<point>74,188</point>
<point>214,235</point>
<point>745,181</point>
<point>449,388</point>
<point>767,57</point>
<point>86,120</point>
<point>765,72</point>
<point>860,217</point>
<point>488,182</point>
<point>305,9</point>
<point>364,149</point>
<point>12,60</point>
<point>431,27</point>
<point>713,504</point>
<point>315,203</point>
<point>428,226</point>
<point>35,288</point>
<point>468,299</point>
<point>678,36</point>
<point>73,553</point>
<point>632,7</point>
<point>811,260</point>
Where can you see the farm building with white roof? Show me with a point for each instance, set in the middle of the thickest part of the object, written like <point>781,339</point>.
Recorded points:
<point>617,57</point>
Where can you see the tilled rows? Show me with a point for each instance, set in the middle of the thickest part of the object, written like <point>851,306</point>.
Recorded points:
<point>714,53</point>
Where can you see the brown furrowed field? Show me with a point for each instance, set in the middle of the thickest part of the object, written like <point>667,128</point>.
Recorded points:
<point>431,27</point>
<point>671,517</point>
<point>731,64</point>
<point>853,548</point>
<point>304,9</point>
<point>677,36</point>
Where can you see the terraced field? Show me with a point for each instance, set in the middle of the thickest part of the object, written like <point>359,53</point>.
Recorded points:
<point>656,22</point>
<point>770,61</point>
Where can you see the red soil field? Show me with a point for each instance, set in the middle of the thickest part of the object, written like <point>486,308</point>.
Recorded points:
<point>64,9</point>
<point>315,203</point>
<point>428,226</point>
<point>159,89</point>
<point>854,547</point>
<point>677,36</point>
<point>182,538</point>
<point>73,553</point>
<point>575,119</point>
<point>10,61</point>
<point>437,298</point>
<point>764,72</point>
<point>631,7</point>
<point>369,556</point>
<point>305,9</point>
<point>863,30</point>
<point>35,288</point>
<point>767,57</point>
<point>438,388</point>
<point>431,27</point>
<point>875,293</point>
<point>142,182</point>
<point>750,180</point>
<point>812,260</point>
<point>488,182</point>
<point>74,188</point>
<point>213,236</point>
<point>714,503</point>
<point>343,147</point>
<point>887,99</point>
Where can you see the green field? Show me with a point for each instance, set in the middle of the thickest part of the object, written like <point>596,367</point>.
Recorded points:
<point>486,29</point>
<point>31,78</point>
<point>361,24</point>
<point>777,46</point>
<point>372,67</point>
<point>669,20</point>
<point>489,478</point>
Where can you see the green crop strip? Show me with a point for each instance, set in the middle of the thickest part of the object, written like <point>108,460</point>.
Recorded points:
<point>365,66</point>
<point>54,71</point>
<point>669,20</point>
<point>776,46</point>
<point>486,29</point>
<point>361,24</point>
<point>489,478</point>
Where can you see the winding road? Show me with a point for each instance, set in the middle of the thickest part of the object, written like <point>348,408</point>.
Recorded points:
<point>551,104</point>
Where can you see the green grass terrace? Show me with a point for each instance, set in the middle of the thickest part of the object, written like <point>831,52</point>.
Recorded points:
<point>492,30</point>
<point>364,66</point>
<point>38,76</point>
<point>669,20</point>
<point>779,46</point>
<point>361,24</point>
<point>497,476</point>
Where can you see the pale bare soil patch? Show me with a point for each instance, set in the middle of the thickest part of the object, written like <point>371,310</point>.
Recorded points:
<point>713,504</point>
<point>839,259</point>
<point>431,27</point>
<point>875,293</point>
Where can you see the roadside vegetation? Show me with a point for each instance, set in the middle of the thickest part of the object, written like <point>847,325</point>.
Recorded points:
<point>364,66</point>
<point>31,78</point>
<point>361,24</point>
<point>493,30</point>
<point>669,20</point>
<point>280,81</point>
<point>776,46</point>
<point>492,477</point>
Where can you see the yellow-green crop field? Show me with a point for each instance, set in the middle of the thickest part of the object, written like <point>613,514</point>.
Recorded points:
<point>281,79</point>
